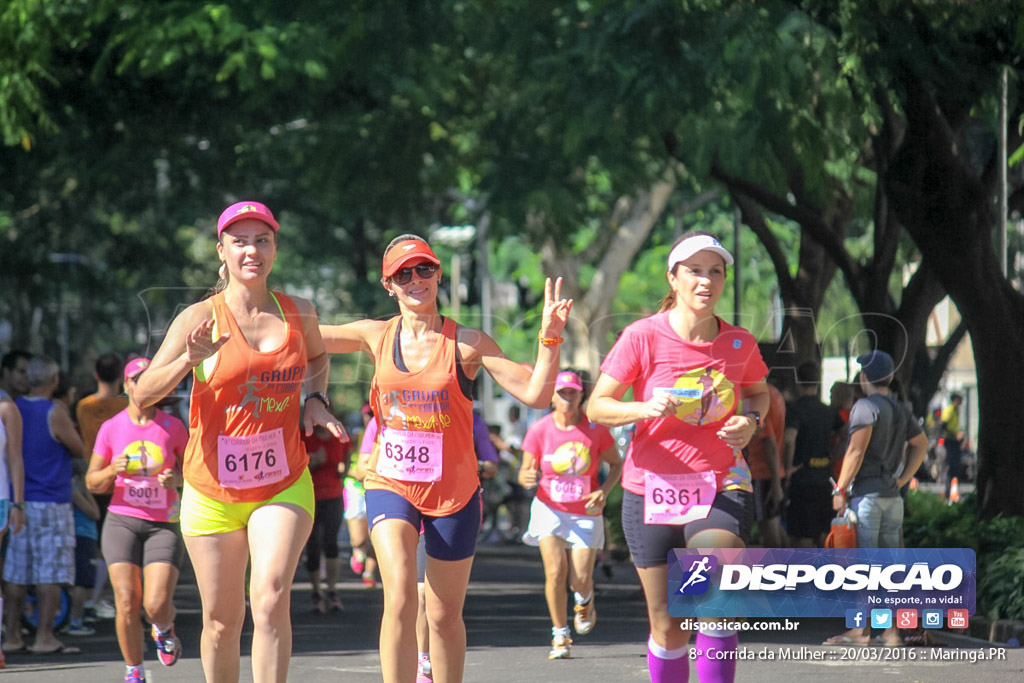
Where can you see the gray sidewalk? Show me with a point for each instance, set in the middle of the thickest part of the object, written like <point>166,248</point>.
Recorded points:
<point>508,632</point>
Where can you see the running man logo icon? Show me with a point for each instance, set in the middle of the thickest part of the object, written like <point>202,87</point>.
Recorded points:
<point>697,579</point>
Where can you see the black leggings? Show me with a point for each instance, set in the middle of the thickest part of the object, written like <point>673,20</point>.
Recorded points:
<point>324,537</point>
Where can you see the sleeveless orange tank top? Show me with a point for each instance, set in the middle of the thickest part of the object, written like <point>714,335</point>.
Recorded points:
<point>424,411</point>
<point>244,441</point>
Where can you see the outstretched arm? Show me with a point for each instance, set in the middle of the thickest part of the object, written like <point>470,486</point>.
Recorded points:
<point>361,335</point>
<point>532,388</point>
<point>188,342</point>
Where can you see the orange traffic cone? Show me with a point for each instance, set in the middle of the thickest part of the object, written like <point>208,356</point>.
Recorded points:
<point>954,491</point>
<point>913,483</point>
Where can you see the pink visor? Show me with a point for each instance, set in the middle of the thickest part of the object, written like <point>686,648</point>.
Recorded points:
<point>242,210</point>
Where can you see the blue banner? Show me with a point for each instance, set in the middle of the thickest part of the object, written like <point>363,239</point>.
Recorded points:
<point>814,582</point>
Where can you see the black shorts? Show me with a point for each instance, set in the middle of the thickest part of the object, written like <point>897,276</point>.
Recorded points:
<point>141,542</point>
<point>810,511</point>
<point>763,508</point>
<point>732,511</point>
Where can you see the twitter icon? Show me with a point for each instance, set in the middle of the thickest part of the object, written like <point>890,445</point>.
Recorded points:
<point>881,618</point>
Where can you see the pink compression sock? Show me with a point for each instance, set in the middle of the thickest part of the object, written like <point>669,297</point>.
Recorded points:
<point>714,669</point>
<point>667,666</point>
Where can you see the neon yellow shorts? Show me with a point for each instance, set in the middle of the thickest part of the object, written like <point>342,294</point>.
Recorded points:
<point>204,516</point>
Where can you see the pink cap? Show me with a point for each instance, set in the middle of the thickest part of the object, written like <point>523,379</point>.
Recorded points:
<point>242,210</point>
<point>568,380</point>
<point>135,367</point>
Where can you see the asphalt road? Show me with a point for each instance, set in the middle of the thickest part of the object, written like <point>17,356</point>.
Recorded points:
<point>508,632</point>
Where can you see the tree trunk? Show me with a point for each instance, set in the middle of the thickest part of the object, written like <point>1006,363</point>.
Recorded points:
<point>592,321</point>
<point>948,211</point>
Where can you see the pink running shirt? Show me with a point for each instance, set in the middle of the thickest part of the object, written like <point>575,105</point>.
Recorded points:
<point>151,449</point>
<point>562,453</point>
<point>650,356</point>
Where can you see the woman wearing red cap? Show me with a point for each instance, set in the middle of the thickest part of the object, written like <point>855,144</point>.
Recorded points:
<point>252,351</point>
<point>567,450</point>
<point>426,469</point>
<point>689,432</point>
<point>137,456</point>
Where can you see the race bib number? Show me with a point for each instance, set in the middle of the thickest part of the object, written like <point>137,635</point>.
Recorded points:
<point>566,488</point>
<point>410,456</point>
<point>678,498</point>
<point>144,492</point>
<point>245,462</point>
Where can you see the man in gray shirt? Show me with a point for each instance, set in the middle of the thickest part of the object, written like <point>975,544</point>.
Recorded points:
<point>874,468</point>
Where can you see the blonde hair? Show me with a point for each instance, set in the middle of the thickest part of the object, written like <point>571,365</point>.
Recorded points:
<point>670,299</point>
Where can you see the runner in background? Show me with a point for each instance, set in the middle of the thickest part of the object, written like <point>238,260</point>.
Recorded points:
<point>252,352</point>
<point>137,458</point>
<point>425,471</point>
<point>90,413</point>
<point>699,394</point>
<point>363,561</point>
<point>327,463</point>
<point>562,453</point>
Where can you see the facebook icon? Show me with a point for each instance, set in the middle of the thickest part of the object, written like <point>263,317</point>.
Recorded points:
<point>855,618</point>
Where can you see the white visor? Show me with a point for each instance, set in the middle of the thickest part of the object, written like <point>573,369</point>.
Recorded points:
<point>691,245</point>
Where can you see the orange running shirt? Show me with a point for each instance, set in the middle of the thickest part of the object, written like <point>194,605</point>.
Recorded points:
<point>245,411</point>
<point>92,412</point>
<point>426,408</point>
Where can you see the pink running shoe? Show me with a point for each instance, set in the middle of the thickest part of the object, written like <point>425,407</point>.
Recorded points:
<point>369,581</point>
<point>168,647</point>
<point>358,561</point>
<point>135,675</point>
<point>423,672</point>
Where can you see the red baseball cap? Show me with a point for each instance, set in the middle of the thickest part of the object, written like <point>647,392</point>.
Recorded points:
<point>135,367</point>
<point>405,251</point>
<point>242,210</point>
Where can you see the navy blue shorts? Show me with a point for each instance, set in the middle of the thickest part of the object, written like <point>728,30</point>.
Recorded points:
<point>732,511</point>
<point>85,561</point>
<point>450,538</point>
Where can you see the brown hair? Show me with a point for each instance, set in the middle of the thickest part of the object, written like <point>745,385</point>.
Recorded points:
<point>670,299</point>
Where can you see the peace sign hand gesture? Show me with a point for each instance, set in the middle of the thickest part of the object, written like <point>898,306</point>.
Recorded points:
<point>556,310</point>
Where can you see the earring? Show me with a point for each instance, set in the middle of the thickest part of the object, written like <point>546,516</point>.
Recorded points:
<point>391,294</point>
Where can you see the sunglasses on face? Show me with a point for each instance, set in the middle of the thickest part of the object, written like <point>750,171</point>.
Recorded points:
<point>404,275</point>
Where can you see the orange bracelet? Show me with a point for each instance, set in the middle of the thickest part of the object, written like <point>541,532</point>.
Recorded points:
<point>548,341</point>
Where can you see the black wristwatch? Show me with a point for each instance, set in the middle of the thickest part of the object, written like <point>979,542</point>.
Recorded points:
<point>18,506</point>
<point>322,396</point>
<point>757,419</point>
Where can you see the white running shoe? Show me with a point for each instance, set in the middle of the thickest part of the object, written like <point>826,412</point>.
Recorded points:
<point>560,645</point>
<point>586,617</point>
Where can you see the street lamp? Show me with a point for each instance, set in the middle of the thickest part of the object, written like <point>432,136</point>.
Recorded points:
<point>457,238</point>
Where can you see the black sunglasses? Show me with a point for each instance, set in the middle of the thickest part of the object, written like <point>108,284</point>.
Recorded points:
<point>404,275</point>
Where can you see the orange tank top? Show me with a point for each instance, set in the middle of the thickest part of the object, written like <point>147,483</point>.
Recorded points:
<point>426,428</point>
<point>244,442</point>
